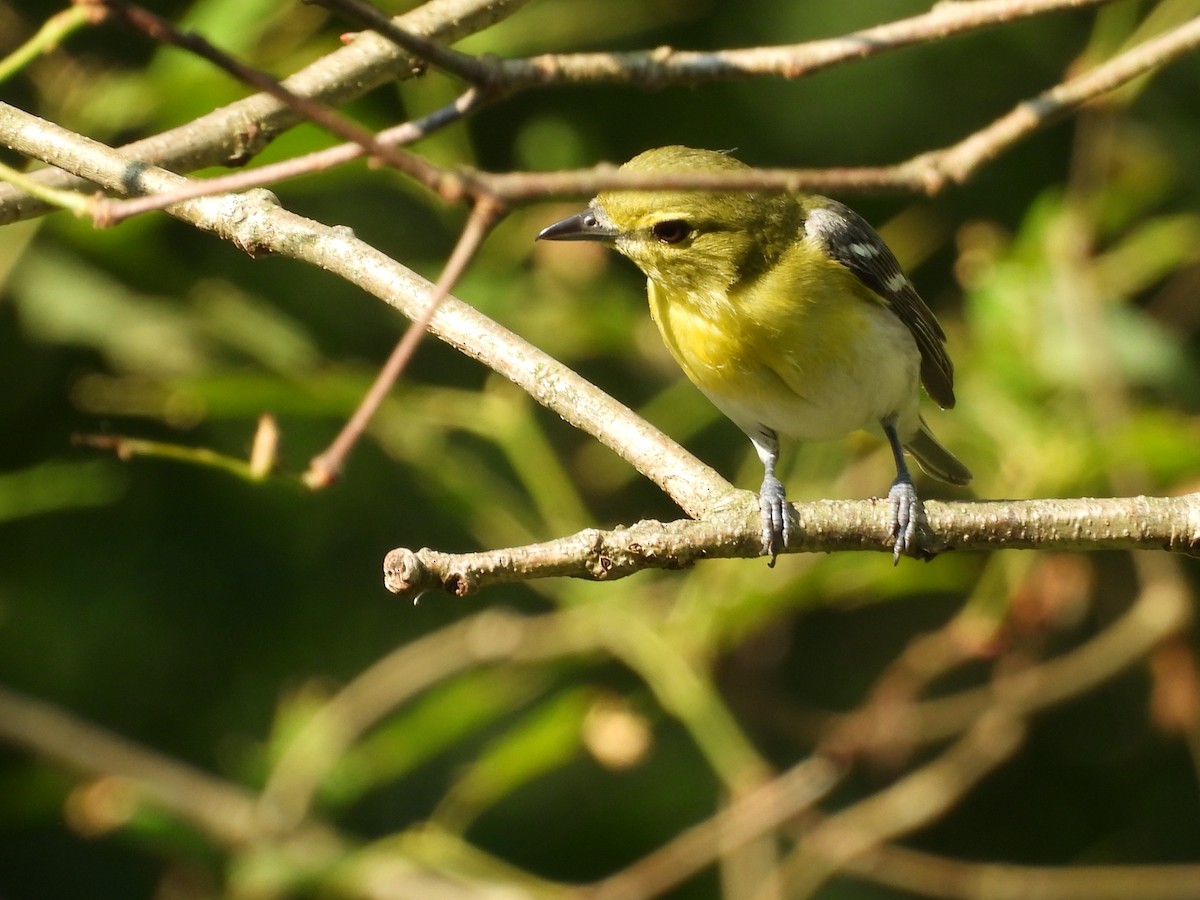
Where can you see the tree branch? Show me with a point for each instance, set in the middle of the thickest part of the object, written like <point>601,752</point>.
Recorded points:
<point>236,133</point>
<point>917,798</point>
<point>665,66</point>
<point>223,811</point>
<point>256,224</point>
<point>1163,523</point>
<point>940,878</point>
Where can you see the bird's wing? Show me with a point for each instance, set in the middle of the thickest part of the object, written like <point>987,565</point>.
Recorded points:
<point>847,237</point>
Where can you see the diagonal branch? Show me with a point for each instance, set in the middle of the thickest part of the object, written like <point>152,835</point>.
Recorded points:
<point>236,133</point>
<point>257,225</point>
<point>107,212</point>
<point>160,29</point>
<point>325,467</point>
<point>917,798</point>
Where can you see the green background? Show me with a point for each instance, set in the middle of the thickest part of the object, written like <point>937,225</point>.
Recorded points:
<point>199,613</point>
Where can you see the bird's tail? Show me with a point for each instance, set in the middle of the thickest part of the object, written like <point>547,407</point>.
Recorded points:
<point>935,459</point>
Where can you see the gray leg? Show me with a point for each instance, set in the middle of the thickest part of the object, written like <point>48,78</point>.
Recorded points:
<point>772,499</point>
<point>905,505</point>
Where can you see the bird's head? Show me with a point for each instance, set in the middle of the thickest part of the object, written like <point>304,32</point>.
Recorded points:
<point>691,240</point>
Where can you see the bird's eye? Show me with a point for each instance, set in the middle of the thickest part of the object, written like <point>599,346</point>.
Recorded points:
<point>670,231</point>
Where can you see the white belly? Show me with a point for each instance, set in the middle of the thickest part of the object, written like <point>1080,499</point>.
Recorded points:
<point>875,378</point>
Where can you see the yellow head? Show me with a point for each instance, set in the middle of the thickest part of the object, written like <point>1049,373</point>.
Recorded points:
<point>688,240</point>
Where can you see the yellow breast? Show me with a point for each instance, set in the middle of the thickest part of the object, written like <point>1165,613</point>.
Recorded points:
<point>810,354</point>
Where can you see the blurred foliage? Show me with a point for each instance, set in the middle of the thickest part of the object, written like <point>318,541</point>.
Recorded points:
<point>208,616</point>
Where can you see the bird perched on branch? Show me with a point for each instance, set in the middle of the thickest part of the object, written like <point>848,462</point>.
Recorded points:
<point>791,314</point>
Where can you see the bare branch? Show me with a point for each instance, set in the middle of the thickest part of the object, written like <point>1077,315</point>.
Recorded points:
<point>328,118</point>
<point>929,172</point>
<point>236,133</point>
<point>224,811</point>
<point>917,798</point>
<point>939,878</point>
<point>1165,523</point>
<point>665,66</point>
<point>107,212</point>
<point>466,67</point>
<point>248,129</point>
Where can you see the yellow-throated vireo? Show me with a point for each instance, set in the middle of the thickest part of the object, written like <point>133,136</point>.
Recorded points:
<point>791,314</point>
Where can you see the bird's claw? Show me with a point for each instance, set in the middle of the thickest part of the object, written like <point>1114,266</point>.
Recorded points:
<point>776,524</point>
<point>907,513</point>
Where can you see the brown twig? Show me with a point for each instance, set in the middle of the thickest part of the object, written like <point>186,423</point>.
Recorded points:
<point>326,466</point>
<point>939,878</point>
<point>914,800</point>
<point>236,133</point>
<point>159,29</point>
<point>928,172</point>
<point>757,813</point>
<point>107,211</point>
<point>466,67</point>
<point>651,68</point>
<point>665,66</point>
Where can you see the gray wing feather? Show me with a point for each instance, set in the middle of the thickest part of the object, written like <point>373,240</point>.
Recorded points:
<point>847,237</point>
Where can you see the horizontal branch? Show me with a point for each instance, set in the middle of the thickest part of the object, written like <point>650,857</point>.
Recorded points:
<point>926,875</point>
<point>665,66</point>
<point>1157,523</point>
<point>927,172</point>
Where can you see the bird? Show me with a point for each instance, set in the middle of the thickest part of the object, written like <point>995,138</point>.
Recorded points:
<point>791,314</point>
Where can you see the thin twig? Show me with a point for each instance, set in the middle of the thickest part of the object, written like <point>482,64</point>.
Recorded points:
<point>237,132</point>
<point>757,813</point>
<point>227,128</point>
<point>665,66</point>
<point>916,799</point>
<point>939,878</point>
<point>73,200</point>
<point>52,33</point>
<point>263,456</point>
<point>107,212</point>
<point>959,162</point>
<point>928,172</point>
<point>468,68</point>
<point>326,466</point>
<point>160,29</point>
<point>224,811</point>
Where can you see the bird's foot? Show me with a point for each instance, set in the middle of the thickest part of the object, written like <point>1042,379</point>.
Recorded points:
<point>907,516</point>
<point>776,524</point>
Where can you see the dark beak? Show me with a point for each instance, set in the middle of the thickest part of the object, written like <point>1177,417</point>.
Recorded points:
<point>581,227</point>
